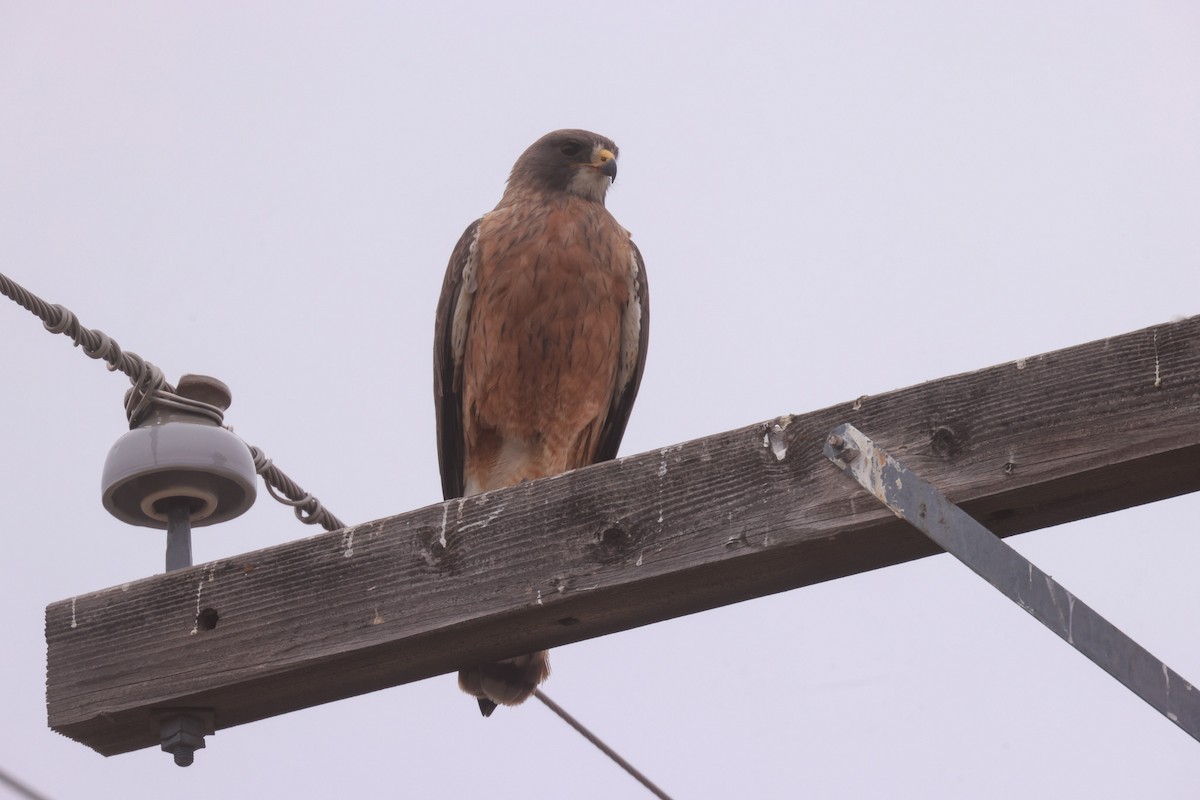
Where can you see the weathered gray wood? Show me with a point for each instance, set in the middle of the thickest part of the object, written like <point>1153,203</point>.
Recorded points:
<point>1023,445</point>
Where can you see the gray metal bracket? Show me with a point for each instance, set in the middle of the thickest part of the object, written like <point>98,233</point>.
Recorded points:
<point>919,503</point>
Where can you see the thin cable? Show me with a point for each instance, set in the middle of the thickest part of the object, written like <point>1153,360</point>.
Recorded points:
<point>150,387</point>
<point>20,788</point>
<point>594,739</point>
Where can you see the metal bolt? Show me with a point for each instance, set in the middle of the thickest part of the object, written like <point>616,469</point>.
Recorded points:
<point>179,537</point>
<point>182,735</point>
<point>842,450</point>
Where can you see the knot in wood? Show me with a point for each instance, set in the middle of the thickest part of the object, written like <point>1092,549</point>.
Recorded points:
<point>944,443</point>
<point>615,542</point>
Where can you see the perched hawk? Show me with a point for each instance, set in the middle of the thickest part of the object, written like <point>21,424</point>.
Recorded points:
<point>539,346</point>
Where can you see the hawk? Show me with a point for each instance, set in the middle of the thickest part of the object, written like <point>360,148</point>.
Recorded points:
<point>539,346</point>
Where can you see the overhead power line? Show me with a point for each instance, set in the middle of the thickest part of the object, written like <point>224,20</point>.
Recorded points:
<point>594,739</point>
<point>151,387</point>
<point>20,788</point>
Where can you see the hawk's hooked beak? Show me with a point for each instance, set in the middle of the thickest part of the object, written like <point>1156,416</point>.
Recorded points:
<point>606,162</point>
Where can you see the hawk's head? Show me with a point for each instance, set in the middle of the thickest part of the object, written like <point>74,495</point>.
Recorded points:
<point>579,162</point>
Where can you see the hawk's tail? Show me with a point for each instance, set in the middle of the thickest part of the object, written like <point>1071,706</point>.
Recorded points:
<point>509,682</point>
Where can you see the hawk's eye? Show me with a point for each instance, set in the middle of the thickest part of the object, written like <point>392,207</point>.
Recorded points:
<point>570,149</point>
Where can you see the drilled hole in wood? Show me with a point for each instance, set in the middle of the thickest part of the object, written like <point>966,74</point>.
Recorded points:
<point>206,620</point>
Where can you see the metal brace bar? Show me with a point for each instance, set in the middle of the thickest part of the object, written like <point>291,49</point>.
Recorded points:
<point>918,502</point>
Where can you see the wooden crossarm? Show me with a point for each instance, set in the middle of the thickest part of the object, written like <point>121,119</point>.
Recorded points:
<point>1022,445</point>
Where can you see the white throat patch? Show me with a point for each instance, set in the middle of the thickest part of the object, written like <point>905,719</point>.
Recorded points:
<point>589,182</point>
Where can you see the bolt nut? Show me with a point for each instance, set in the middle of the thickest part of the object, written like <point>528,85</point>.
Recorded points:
<point>182,735</point>
<point>842,450</point>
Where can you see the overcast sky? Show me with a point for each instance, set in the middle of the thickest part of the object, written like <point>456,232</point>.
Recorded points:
<point>269,193</point>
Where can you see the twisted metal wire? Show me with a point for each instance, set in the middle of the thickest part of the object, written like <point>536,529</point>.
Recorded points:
<point>149,384</point>
<point>308,509</point>
<point>150,387</point>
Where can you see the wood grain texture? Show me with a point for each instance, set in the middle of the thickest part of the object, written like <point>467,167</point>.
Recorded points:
<point>1023,445</point>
